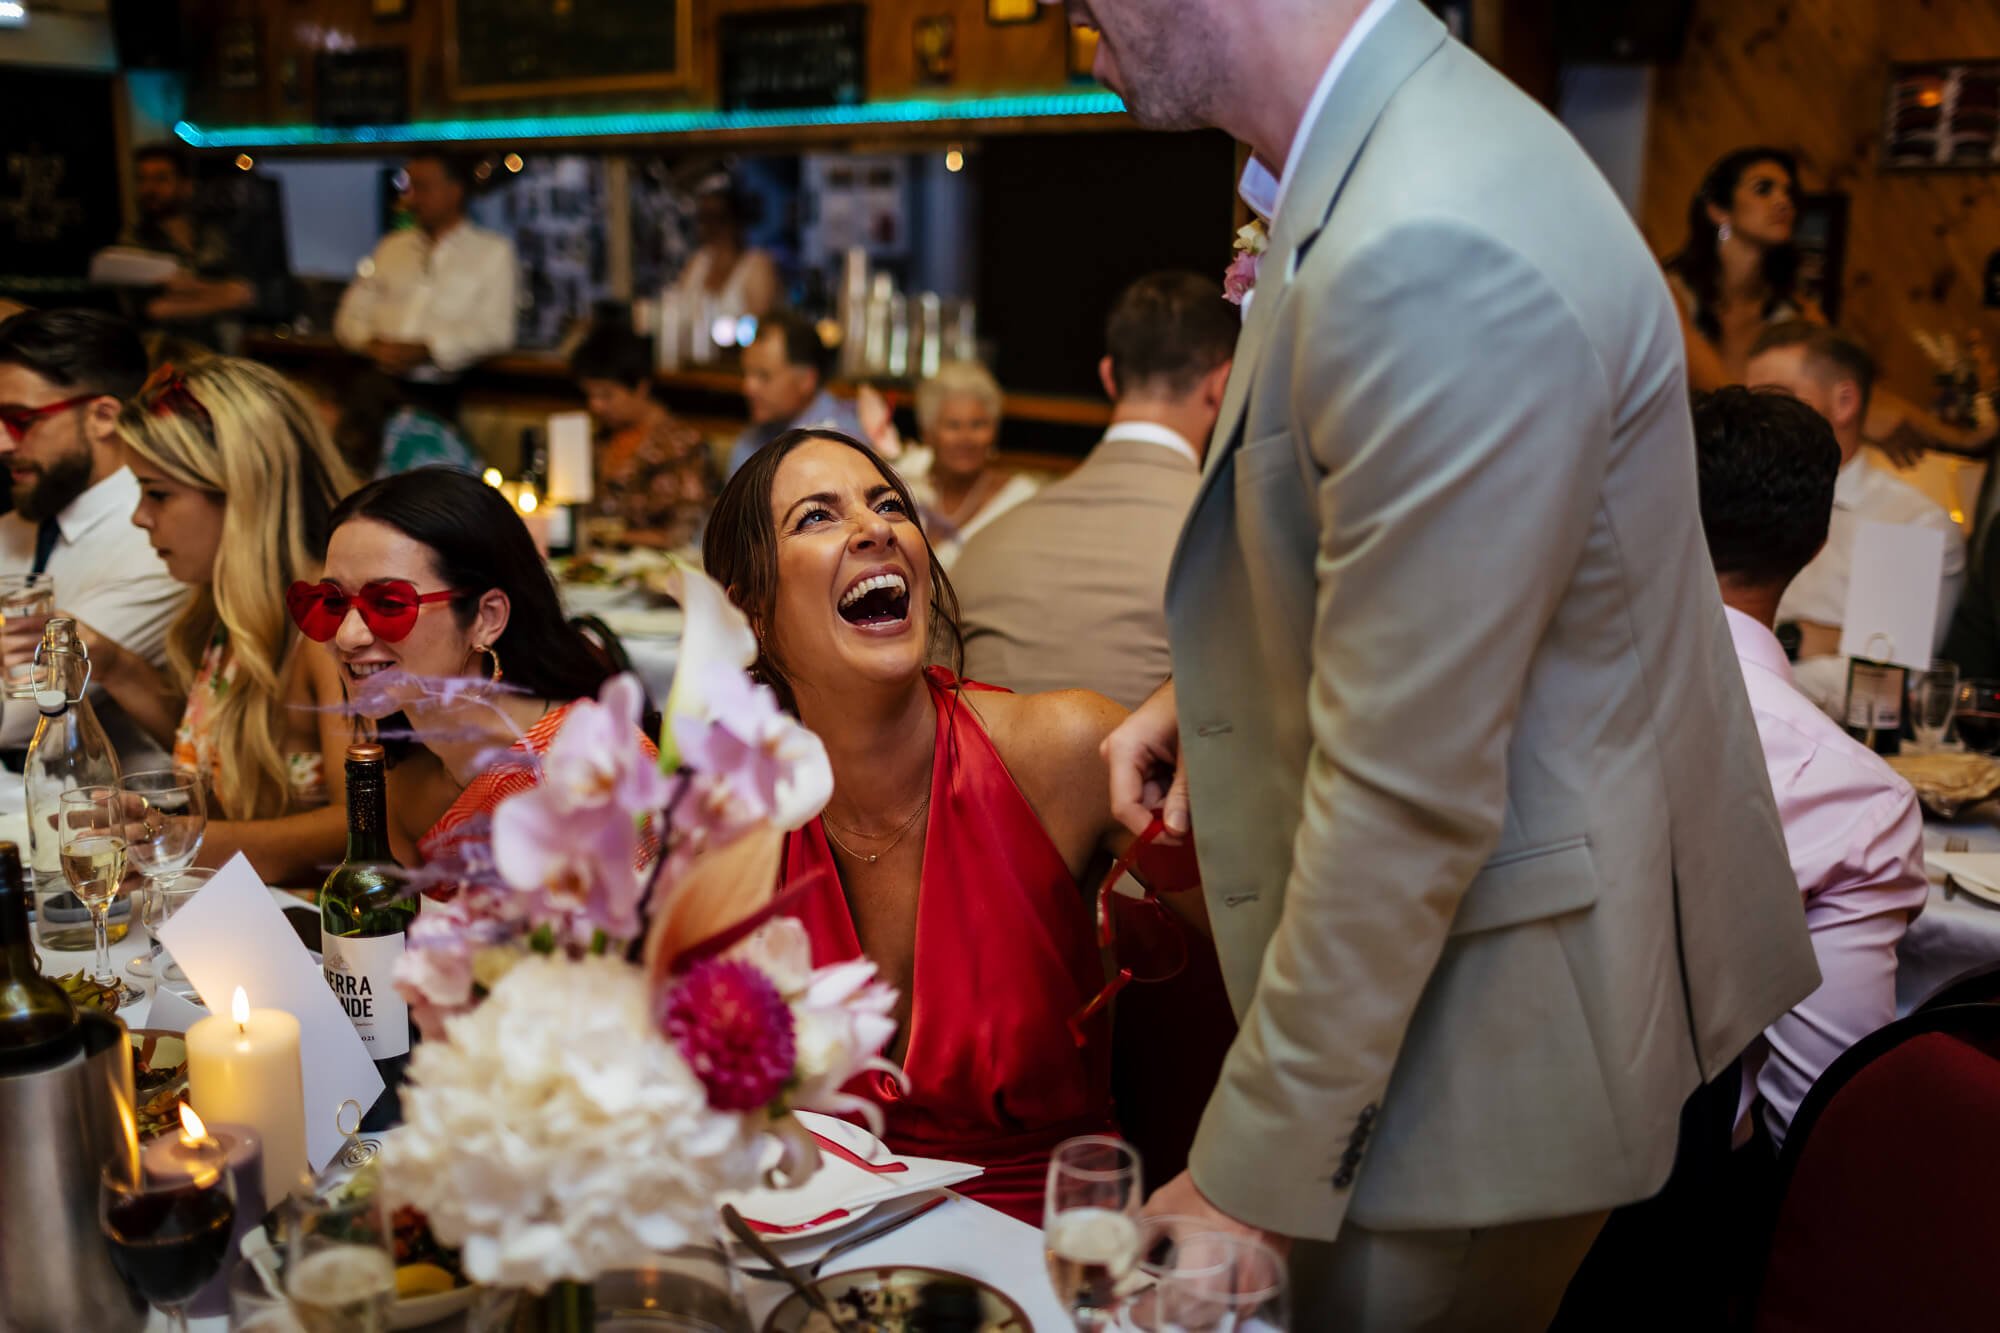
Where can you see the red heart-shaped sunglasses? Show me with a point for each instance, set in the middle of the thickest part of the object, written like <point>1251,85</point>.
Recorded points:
<point>389,607</point>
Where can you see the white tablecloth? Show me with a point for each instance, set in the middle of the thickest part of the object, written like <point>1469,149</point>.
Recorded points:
<point>1955,932</point>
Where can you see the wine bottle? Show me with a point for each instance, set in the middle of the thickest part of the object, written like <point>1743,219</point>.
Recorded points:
<point>364,909</point>
<point>1874,714</point>
<point>38,1023</point>
<point>69,750</point>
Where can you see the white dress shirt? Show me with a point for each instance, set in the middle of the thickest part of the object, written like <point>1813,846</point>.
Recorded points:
<point>1261,190</point>
<point>455,295</point>
<point>1856,839</point>
<point>107,577</point>
<point>1864,493</point>
<point>1152,432</point>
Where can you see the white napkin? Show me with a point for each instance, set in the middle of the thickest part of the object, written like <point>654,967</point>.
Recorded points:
<point>840,1186</point>
<point>1976,872</point>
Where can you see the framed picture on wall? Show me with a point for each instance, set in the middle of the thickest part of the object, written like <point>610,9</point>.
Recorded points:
<point>1013,11</point>
<point>935,41</point>
<point>1821,237</point>
<point>1942,116</point>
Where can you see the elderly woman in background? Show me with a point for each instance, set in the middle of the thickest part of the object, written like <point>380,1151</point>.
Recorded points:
<point>954,473</point>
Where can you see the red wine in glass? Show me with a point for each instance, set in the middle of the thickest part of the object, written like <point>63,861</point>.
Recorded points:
<point>169,1240</point>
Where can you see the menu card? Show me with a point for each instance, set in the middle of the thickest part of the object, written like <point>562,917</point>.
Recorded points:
<point>232,934</point>
<point>1892,594</point>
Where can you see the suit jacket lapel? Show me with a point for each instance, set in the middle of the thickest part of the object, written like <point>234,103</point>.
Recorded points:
<point>1404,38</point>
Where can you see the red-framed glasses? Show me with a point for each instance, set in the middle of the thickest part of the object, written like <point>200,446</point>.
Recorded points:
<point>1144,938</point>
<point>20,420</point>
<point>389,607</point>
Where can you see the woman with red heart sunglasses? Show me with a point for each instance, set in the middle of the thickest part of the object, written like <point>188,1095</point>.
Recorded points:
<point>237,480</point>
<point>431,578</point>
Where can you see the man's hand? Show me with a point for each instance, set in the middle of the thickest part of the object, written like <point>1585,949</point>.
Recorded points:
<point>397,358</point>
<point>1143,755</point>
<point>1180,1198</point>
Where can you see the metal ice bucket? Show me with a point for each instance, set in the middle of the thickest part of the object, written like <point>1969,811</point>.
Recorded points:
<point>59,1127</point>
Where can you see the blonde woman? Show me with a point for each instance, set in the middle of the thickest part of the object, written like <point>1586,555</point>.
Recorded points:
<point>237,476</point>
<point>955,476</point>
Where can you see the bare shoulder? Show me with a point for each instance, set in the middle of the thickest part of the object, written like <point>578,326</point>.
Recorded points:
<point>1049,741</point>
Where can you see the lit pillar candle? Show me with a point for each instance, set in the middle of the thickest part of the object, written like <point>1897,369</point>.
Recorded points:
<point>244,1068</point>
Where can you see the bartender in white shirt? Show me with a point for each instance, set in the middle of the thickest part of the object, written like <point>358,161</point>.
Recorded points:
<point>1833,375</point>
<point>436,297</point>
<point>63,374</point>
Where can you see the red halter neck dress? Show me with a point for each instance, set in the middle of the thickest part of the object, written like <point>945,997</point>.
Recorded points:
<point>1005,955</point>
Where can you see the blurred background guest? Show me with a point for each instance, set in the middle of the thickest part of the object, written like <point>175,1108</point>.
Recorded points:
<point>728,273</point>
<point>1068,590</point>
<point>376,426</point>
<point>237,479</point>
<point>1738,272</point>
<point>225,274</point>
<point>440,532</point>
<point>436,297</point>
<point>1833,375</point>
<point>655,475</point>
<point>785,372</point>
<point>64,375</point>
<point>957,480</point>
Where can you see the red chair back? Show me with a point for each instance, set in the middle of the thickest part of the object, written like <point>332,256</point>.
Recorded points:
<point>1890,1181</point>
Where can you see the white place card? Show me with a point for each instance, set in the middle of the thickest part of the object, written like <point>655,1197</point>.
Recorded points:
<point>172,1011</point>
<point>233,934</point>
<point>570,462</point>
<point>1892,594</point>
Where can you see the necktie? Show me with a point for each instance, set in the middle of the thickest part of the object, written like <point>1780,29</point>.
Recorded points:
<point>45,542</point>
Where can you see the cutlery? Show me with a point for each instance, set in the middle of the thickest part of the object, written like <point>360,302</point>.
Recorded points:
<point>808,1292</point>
<point>853,1158</point>
<point>853,1242</point>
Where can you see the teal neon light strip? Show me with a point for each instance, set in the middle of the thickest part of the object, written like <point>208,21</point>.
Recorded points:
<point>1090,102</point>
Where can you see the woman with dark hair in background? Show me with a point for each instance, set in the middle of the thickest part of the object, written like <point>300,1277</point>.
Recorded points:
<point>432,573</point>
<point>726,274</point>
<point>963,817</point>
<point>1738,273</point>
<point>655,475</point>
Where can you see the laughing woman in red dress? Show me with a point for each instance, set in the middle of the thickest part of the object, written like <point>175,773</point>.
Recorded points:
<point>963,824</point>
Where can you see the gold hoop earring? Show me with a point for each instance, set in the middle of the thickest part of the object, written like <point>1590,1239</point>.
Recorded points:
<point>493,658</point>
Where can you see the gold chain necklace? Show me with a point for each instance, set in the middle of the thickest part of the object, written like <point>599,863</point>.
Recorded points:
<point>894,838</point>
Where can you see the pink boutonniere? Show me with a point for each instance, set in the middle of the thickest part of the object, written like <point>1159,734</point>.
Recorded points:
<point>1241,275</point>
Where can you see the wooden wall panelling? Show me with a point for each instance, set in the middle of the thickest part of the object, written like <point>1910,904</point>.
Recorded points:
<point>1810,76</point>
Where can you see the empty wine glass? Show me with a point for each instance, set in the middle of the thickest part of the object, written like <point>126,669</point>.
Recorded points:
<point>1934,697</point>
<point>161,903</point>
<point>90,826</point>
<point>1216,1282</point>
<point>1090,1228</point>
<point>168,816</point>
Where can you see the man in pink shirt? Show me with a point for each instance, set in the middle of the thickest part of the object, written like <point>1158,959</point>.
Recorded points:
<point>1767,465</point>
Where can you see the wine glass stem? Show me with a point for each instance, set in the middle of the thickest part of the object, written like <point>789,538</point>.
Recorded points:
<point>100,930</point>
<point>177,1320</point>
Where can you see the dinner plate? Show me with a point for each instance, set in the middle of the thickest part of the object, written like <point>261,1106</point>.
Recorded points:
<point>764,1208</point>
<point>890,1293</point>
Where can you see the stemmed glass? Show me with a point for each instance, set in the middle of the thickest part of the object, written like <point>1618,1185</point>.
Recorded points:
<point>1214,1282</point>
<point>1090,1228</point>
<point>161,904</point>
<point>340,1264</point>
<point>168,1230</point>
<point>90,826</point>
<point>1935,698</point>
<point>168,817</point>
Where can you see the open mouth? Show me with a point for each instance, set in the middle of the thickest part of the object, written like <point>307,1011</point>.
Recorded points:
<point>876,602</point>
<point>363,670</point>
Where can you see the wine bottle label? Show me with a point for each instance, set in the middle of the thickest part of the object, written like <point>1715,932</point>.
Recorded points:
<point>1874,696</point>
<point>361,969</point>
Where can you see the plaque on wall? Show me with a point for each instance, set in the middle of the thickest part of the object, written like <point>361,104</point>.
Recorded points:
<point>794,57</point>
<point>369,85</point>
<point>515,48</point>
<point>1941,116</point>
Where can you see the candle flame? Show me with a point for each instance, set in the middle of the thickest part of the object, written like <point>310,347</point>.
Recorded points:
<point>239,1007</point>
<point>192,1130</point>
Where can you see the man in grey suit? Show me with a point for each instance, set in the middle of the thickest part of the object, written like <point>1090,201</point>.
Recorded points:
<point>1494,869</point>
<point>1067,591</point>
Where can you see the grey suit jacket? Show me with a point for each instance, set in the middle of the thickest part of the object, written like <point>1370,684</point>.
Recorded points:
<point>1494,866</point>
<point>1067,591</point>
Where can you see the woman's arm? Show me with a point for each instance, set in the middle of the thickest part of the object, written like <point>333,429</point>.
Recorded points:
<point>146,694</point>
<point>299,849</point>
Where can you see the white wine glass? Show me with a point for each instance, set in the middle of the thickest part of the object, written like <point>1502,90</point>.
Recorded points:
<point>1090,1227</point>
<point>90,826</point>
<point>167,816</point>
<point>340,1264</point>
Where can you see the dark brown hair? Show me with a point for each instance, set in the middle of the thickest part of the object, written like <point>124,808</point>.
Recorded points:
<point>740,551</point>
<point>1168,330</point>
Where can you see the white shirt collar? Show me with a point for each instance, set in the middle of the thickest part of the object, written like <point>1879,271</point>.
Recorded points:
<point>1851,481</point>
<point>114,497</point>
<point>1152,432</point>
<point>1261,190</point>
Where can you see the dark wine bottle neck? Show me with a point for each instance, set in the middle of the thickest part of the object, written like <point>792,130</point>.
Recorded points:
<point>367,814</point>
<point>17,945</point>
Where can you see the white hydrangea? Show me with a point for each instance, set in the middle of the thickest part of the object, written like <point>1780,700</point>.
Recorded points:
<point>557,1135</point>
